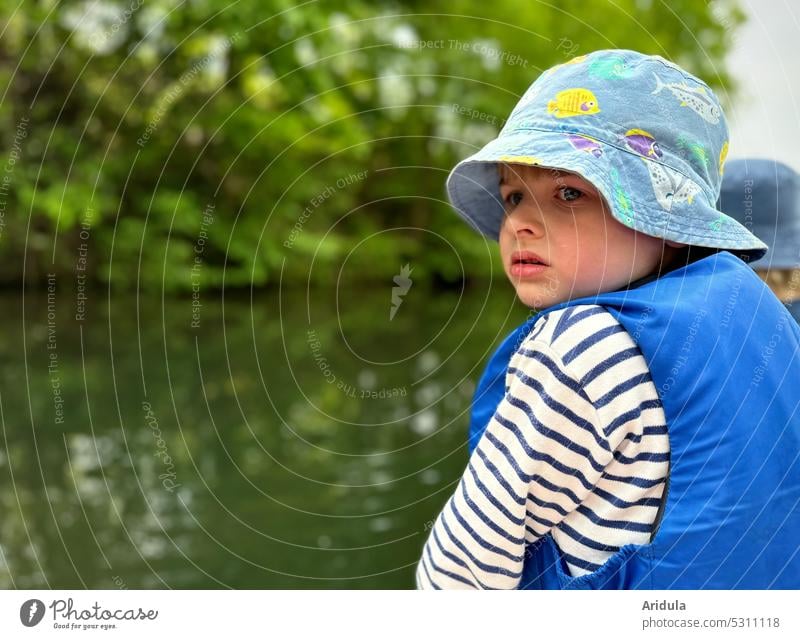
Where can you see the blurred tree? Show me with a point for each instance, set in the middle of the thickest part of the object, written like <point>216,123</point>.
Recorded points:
<point>211,142</point>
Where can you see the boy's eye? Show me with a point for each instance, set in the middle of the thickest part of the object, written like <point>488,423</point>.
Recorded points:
<point>569,194</point>
<point>514,198</point>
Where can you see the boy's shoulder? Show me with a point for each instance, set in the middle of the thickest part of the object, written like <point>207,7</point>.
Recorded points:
<point>578,337</point>
<point>563,328</point>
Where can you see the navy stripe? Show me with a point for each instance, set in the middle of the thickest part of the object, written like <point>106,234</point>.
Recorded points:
<point>556,489</point>
<point>610,523</point>
<point>644,456</point>
<point>621,388</point>
<point>563,321</point>
<point>447,573</point>
<point>547,504</point>
<point>541,520</point>
<point>423,563</point>
<point>555,370</point>
<point>554,405</point>
<point>548,459</point>
<point>580,563</point>
<point>547,432</point>
<point>590,341</point>
<point>635,481</point>
<point>485,518</point>
<point>499,476</point>
<point>567,321</point>
<point>631,414</point>
<point>542,481</point>
<point>456,560</point>
<point>538,332</point>
<point>622,504</point>
<point>609,362</point>
<point>517,521</point>
<point>647,430</point>
<point>481,541</point>
<point>586,541</point>
<point>497,570</point>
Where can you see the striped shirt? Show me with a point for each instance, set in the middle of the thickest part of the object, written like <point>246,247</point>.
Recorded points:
<point>578,448</point>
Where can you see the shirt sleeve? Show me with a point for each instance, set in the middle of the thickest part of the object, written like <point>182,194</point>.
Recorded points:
<point>541,455</point>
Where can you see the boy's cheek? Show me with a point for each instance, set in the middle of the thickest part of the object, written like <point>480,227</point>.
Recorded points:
<point>503,228</point>
<point>505,246</point>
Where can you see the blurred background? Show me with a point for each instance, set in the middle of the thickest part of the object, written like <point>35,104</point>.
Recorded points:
<point>241,327</point>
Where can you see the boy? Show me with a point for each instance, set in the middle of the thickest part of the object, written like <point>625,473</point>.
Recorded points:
<point>765,195</point>
<point>642,439</point>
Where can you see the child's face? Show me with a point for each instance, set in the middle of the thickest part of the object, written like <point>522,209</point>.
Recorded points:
<point>564,220</point>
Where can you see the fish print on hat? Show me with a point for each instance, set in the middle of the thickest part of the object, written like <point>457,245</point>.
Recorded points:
<point>716,225</point>
<point>587,144</point>
<point>520,159</point>
<point>723,155</point>
<point>693,147</point>
<point>695,98</point>
<point>613,68</point>
<point>670,186</point>
<point>643,143</point>
<point>669,63</point>
<point>621,198</point>
<point>572,102</point>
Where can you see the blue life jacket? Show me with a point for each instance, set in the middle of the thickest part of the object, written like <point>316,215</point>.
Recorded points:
<point>724,356</point>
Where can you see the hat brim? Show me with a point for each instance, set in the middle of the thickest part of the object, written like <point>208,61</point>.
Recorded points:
<point>618,173</point>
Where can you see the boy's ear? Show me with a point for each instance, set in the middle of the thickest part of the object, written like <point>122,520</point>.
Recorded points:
<point>674,244</point>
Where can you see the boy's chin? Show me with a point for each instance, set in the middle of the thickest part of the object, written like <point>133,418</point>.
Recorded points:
<point>535,300</point>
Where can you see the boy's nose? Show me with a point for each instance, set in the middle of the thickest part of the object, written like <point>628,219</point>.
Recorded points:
<point>527,223</point>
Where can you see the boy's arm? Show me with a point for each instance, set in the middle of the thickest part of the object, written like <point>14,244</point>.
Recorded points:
<point>539,458</point>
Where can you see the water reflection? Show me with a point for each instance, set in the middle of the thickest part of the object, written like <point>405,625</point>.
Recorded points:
<point>225,455</point>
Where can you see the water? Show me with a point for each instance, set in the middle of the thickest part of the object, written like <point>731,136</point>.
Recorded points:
<point>289,441</point>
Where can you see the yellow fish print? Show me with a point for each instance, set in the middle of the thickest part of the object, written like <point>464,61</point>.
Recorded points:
<point>573,102</point>
<point>723,155</point>
<point>520,159</point>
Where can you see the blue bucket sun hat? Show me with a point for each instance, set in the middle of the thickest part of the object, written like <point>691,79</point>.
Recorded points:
<point>764,196</point>
<point>651,137</point>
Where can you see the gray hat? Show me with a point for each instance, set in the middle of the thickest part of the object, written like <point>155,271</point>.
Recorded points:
<point>764,196</point>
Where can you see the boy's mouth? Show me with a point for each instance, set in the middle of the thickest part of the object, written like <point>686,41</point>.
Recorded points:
<point>525,263</point>
<point>526,257</point>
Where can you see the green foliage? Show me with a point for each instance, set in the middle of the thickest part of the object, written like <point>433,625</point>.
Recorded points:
<point>312,130</point>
